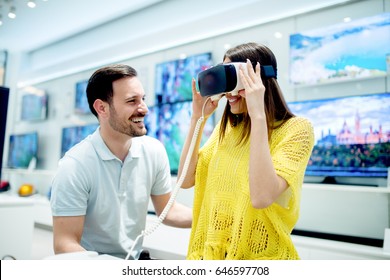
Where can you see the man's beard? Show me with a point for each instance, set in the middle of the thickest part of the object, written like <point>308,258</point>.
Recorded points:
<point>124,127</point>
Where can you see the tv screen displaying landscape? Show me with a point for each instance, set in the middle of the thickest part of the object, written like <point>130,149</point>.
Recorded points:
<point>22,149</point>
<point>174,123</point>
<point>81,100</point>
<point>34,104</point>
<point>345,51</point>
<point>173,81</point>
<point>352,135</point>
<point>74,134</point>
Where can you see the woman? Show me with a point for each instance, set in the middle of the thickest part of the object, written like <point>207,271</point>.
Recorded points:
<point>249,174</point>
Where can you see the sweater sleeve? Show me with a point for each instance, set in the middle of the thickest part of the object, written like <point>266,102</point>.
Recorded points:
<point>291,147</point>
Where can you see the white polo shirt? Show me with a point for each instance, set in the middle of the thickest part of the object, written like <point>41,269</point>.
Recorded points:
<point>113,196</point>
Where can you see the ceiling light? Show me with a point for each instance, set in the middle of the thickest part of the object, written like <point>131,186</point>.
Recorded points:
<point>347,19</point>
<point>227,46</point>
<point>31,4</point>
<point>278,35</point>
<point>12,12</point>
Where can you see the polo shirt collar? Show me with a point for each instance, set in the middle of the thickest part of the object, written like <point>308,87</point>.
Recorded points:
<point>105,153</point>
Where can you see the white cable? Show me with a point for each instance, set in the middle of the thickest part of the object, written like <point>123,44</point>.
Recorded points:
<point>177,187</point>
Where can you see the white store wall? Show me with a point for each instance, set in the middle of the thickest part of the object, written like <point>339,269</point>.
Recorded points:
<point>57,67</point>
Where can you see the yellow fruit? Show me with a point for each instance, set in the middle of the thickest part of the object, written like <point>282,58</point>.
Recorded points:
<point>26,190</point>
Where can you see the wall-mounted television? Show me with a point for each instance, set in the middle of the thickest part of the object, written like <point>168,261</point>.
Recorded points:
<point>151,121</point>
<point>4,96</point>
<point>23,148</point>
<point>352,135</point>
<point>34,104</point>
<point>173,78</point>
<point>173,124</point>
<point>73,135</point>
<point>81,101</point>
<point>345,51</point>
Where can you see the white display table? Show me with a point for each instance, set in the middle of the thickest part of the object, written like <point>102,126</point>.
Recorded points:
<point>171,244</point>
<point>17,226</point>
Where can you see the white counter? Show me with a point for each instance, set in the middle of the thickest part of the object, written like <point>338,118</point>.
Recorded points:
<point>171,244</point>
<point>166,242</point>
<point>17,226</point>
<point>17,217</point>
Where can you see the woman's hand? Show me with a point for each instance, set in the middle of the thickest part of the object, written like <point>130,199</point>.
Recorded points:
<point>254,90</point>
<point>198,101</point>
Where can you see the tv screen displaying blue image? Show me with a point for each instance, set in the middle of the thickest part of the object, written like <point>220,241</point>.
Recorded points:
<point>22,149</point>
<point>34,105</point>
<point>4,97</point>
<point>173,78</point>
<point>352,135</point>
<point>174,123</point>
<point>73,135</point>
<point>151,121</point>
<point>81,100</point>
<point>345,51</point>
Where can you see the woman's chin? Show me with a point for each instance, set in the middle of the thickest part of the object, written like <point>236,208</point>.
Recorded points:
<point>236,110</point>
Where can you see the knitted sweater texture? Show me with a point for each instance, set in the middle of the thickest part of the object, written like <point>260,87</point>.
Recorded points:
<point>225,224</point>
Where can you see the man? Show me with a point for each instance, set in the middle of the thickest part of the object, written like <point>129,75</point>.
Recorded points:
<point>101,191</point>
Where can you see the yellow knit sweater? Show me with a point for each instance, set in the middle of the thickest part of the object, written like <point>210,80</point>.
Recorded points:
<point>225,225</point>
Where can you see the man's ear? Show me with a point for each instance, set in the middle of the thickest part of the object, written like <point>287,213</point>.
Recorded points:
<point>101,107</point>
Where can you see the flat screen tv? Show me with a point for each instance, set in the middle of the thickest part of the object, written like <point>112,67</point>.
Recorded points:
<point>345,51</point>
<point>151,121</point>
<point>173,78</point>
<point>174,123</point>
<point>352,135</point>
<point>34,104</point>
<point>4,96</point>
<point>81,101</point>
<point>22,149</point>
<point>73,135</point>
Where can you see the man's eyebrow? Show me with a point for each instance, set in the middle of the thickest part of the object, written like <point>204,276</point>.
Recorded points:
<point>135,96</point>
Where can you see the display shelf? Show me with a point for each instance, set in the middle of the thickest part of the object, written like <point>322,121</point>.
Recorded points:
<point>341,81</point>
<point>17,220</point>
<point>319,249</point>
<point>345,210</point>
<point>44,172</point>
<point>40,179</point>
<point>41,207</point>
<point>346,188</point>
<point>160,246</point>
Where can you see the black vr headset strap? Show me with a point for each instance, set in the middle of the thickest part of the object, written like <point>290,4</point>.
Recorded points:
<point>268,71</point>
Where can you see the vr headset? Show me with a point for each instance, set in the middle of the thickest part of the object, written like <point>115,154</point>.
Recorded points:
<point>225,78</point>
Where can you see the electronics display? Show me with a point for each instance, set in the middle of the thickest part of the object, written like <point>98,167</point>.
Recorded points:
<point>22,149</point>
<point>73,135</point>
<point>173,124</point>
<point>4,95</point>
<point>151,121</point>
<point>34,104</point>
<point>341,52</point>
<point>388,63</point>
<point>174,78</point>
<point>224,78</point>
<point>352,135</point>
<point>3,64</point>
<point>81,100</point>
